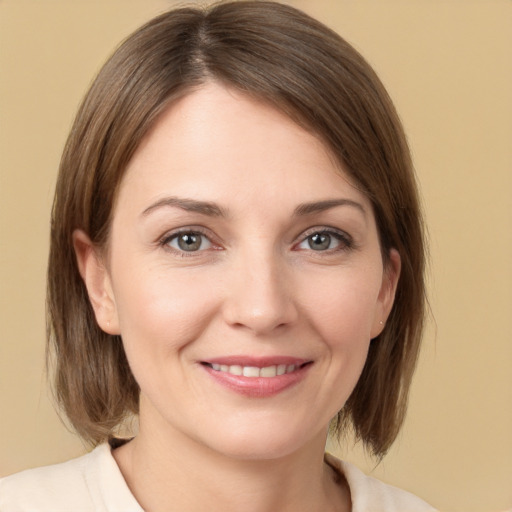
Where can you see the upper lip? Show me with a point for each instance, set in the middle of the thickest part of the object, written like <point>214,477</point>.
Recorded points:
<point>257,362</point>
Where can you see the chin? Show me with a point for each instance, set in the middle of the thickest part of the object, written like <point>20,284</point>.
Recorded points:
<point>264,442</point>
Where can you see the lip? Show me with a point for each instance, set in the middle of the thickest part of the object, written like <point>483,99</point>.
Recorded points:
<point>257,387</point>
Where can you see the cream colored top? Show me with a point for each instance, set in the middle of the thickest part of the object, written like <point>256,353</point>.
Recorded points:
<point>94,483</point>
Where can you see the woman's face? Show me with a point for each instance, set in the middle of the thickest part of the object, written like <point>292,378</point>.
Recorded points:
<point>244,276</point>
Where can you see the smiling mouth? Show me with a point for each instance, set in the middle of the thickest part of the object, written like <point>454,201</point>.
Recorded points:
<point>258,377</point>
<point>254,371</point>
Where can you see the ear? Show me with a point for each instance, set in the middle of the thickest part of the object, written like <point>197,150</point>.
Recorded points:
<point>97,281</point>
<point>387,292</point>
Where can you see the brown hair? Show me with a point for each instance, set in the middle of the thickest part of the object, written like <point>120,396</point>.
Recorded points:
<point>281,56</point>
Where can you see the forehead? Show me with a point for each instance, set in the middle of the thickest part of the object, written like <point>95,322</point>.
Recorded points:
<point>216,142</point>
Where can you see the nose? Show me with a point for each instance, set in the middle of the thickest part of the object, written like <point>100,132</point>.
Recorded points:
<point>260,295</point>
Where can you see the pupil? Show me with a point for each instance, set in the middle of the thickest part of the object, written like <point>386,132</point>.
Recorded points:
<point>319,241</point>
<point>189,242</point>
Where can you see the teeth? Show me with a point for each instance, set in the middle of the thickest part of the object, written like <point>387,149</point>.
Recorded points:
<point>236,369</point>
<point>269,371</point>
<point>253,371</point>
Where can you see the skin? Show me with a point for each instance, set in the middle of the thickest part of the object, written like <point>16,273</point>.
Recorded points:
<point>255,287</point>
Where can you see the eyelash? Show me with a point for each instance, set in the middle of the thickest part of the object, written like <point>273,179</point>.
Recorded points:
<point>345,240</point>
<point>194,231</point>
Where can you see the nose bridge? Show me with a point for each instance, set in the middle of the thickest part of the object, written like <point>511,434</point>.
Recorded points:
<point>259,295</point>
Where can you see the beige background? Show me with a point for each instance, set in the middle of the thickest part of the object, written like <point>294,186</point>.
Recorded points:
<point>447,64</point>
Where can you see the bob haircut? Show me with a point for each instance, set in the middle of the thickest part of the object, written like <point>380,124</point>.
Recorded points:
<point>278,55</point>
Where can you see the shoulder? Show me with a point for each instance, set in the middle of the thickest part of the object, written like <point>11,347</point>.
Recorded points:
<point>92,482</point>
<point>369,494</point>
<point>47,488</point>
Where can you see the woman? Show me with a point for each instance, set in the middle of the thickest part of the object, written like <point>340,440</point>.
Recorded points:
<point>236,260</point>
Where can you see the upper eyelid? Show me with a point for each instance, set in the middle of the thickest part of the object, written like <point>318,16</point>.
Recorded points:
<point>165,240</point>
<point>324,229</point>
<point>172,233</point>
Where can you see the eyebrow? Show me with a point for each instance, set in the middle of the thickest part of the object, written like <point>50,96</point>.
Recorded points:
<point>189,205</point>
<point>320,206</point>
<point>213,210</point>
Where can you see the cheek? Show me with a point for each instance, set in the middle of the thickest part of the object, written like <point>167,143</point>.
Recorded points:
<point>342,305</point>
<point>162,312</point>
<point>343,317</point>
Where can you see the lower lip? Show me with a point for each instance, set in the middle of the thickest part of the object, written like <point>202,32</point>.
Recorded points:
<point>258,387</point>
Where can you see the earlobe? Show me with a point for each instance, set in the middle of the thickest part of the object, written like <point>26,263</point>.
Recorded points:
<point>97,281</point>
<point>387,292</point>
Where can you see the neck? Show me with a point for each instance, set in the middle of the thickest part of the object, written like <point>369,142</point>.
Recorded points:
<point>174,472</point>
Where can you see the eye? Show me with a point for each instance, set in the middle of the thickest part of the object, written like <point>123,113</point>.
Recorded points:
<point>325,241</point>
<point>188,241</point>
